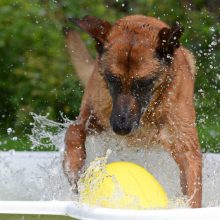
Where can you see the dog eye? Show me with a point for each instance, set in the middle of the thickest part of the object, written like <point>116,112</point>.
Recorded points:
<point>112,79</point>
<point>114,83</point>
<point>142,86</point>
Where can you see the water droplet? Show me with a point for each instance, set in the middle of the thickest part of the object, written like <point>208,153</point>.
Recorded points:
<point>9,130</point>
<point>15,138</point>
<point>212,29</point>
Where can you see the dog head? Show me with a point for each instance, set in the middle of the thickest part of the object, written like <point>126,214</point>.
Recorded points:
<point>134,55</point>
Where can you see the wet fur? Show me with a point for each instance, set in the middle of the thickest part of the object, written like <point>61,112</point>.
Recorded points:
<point>169,118</point>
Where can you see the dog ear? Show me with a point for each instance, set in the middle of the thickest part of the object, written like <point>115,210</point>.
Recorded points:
<point>97,28</point>
<point>168,41</point>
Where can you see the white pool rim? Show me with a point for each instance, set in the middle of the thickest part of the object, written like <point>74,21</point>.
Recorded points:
<point>80,211</point>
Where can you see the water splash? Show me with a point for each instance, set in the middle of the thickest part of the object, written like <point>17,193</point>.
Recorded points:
<point>94,175</point>
<point>48,133</point>
<point>155,159</point>
<point>45,179</point>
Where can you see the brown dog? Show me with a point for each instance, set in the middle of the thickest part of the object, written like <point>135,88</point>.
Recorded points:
<point>142,87</point>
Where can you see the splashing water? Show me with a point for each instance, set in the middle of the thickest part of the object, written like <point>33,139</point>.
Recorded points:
<point>46,181</point>
<point>48,133</point>
<point>94,175</point>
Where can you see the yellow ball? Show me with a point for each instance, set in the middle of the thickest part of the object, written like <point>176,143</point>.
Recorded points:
<point>123,185</point>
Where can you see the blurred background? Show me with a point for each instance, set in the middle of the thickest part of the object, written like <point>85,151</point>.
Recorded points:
<point>36,74</point>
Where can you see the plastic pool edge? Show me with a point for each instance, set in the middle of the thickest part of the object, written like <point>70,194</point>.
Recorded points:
<point>80,211</point>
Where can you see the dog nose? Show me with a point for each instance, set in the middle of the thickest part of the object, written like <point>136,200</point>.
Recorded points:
<point>121,130</point>
<point>121,125</point>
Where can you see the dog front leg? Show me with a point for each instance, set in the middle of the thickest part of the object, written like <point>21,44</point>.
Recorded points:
<point>190,165</point>
<point>75,153</point>
<point>186,152</point>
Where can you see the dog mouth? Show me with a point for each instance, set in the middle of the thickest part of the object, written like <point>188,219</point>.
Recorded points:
<point>121,131</point>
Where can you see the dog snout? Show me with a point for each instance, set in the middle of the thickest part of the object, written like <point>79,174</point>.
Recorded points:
<point>125,115</point>
<point>121,124</point>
